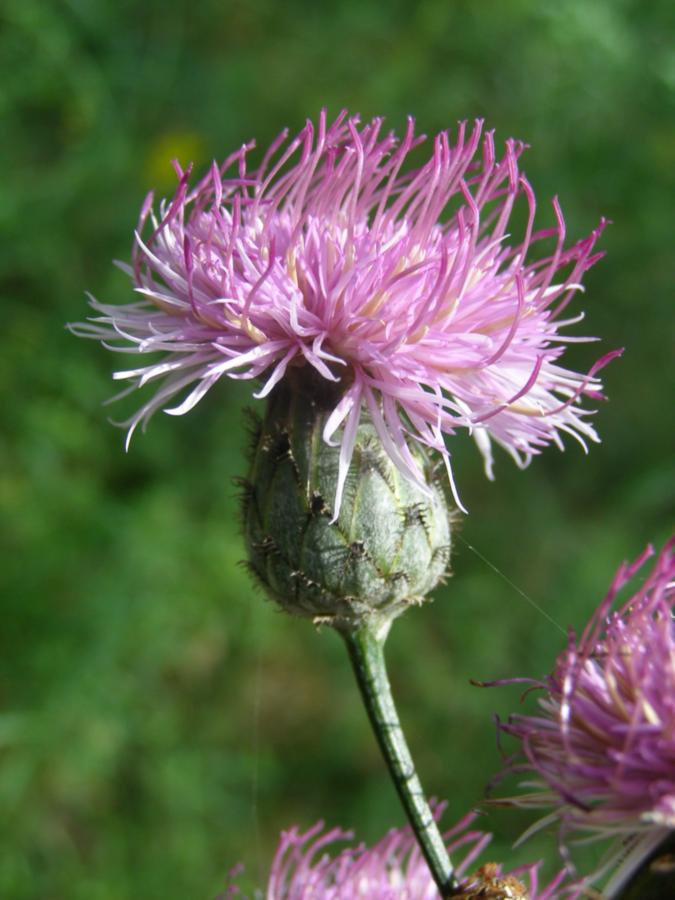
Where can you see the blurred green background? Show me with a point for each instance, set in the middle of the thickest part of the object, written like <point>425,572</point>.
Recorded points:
<point>159,720</point>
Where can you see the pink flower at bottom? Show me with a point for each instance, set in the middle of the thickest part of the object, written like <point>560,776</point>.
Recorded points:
<point>393,869</point>
<point>402,287</point>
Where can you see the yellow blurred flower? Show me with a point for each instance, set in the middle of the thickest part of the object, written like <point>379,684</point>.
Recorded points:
<point>185,146</point>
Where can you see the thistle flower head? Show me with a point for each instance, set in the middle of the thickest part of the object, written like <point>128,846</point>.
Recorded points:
<point>602,749</point>
<point>393,869</point>
<point>402,286</point>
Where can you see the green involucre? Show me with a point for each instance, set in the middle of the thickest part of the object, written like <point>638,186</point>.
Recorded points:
<point>388,548</point>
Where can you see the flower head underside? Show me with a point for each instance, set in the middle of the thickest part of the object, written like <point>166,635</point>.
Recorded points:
<point>600,755</point>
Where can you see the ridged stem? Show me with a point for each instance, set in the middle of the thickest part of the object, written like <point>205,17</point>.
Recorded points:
<point>366,651</point>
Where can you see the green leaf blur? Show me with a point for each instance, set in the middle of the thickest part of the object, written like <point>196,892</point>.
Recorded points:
<point>159,720</point>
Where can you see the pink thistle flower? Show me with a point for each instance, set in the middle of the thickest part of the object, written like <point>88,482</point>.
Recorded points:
<point>602,750</point>
<point>393,869</point>
<point>402,287</point>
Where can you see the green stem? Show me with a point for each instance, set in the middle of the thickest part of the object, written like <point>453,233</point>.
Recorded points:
<point>366,651</point>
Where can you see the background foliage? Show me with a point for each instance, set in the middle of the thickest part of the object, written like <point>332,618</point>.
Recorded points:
<point>159,720</point>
